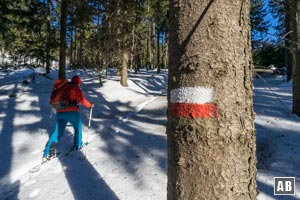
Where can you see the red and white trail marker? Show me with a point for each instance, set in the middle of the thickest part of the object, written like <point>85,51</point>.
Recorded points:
<point>193,102</point>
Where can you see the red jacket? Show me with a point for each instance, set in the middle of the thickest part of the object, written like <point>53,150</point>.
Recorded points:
<point>77,96</point>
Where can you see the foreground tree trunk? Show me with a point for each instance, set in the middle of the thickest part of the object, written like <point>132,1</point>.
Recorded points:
<point>290,36</point>
<point>211,135</point>
<point>296,72</point>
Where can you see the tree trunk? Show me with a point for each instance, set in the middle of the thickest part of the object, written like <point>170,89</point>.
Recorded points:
<point>158,52</point>
<point>148,52</point>
<point>75,56</point>
<point>71,47</point>
<point>80,52</point>
<point>2,55</point>
<point>158,63</point>
<point>296,73</point>
<point>73,29</point>
<point>133,49</point>
<point>166,52</point>
<point>124,75</point>
<point>211,135</point>
<point>288,44</point>
<point>48,48</point>
<point>63,45</point>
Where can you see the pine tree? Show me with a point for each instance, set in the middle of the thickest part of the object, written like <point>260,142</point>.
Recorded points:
<point>211,136</point>
<point>284,12</point>
<point>259,26</point>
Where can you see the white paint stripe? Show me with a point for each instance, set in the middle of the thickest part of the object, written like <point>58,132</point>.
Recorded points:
<point>199,95</point>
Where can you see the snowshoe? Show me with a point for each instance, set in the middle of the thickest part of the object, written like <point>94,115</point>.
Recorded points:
<point>52,152</point>
<point>78,148</point>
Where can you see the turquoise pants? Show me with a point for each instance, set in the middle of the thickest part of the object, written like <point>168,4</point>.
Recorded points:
<point>62,118</point>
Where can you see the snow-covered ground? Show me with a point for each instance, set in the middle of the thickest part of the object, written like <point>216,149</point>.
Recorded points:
<point>277,135</point>
<point>126,157</point>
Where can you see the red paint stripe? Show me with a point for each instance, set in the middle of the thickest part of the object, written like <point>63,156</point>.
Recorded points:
<point>191,110</point>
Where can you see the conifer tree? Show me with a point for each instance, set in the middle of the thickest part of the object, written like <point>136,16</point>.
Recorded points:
<point>211,136</point>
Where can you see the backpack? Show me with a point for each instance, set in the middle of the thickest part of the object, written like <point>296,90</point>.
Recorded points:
<point>59,98</point>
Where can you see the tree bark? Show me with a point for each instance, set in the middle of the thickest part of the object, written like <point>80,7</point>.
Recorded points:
<point>289,55</point>
<point>158,51</point>
<point>63,45</point>
<point>124,74</point>
<point>48,48</point>
<point>296,73</point>
<point>211,135</point>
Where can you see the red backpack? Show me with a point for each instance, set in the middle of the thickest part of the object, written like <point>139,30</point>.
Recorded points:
<point>59,95</point>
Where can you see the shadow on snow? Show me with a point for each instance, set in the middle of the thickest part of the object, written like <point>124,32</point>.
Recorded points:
<point>277,144</point>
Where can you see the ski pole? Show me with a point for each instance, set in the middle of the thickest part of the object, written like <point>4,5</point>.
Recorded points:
<point>90,119</point>
<point>51,112</point>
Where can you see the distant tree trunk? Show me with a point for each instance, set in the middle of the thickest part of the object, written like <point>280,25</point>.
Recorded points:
<point>133,49</point>
<point>210,129</point>
<point>148,52</point>
<point>296,74</point>
<point>80,52</point>
<point>75,57</point>
<point>148,40</point>
<point>158,64</point>
<point>152,45</point>
<point>71,47</point>
<point>48,48</point>
<point>124,68</point>
<point>73,29</point>
<point>158,52</point>
<point>2,56</point>
<point>63,45</point>
<point>99,69</point>
<point>166,52</point>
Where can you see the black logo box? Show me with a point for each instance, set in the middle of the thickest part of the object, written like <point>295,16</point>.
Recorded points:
<point>284,186</point>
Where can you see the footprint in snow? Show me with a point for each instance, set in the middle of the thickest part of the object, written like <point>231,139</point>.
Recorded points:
<point>29,182</point>
<point>34,193</point>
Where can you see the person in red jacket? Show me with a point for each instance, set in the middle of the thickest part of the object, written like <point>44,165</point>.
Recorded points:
<point>69,114</point>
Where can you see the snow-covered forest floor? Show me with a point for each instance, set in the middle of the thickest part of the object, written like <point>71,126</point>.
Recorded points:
<point>126,157</point>
<point>277,135</point>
